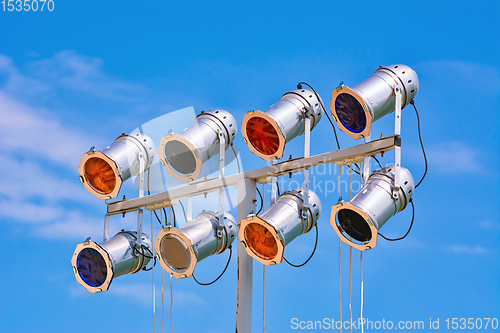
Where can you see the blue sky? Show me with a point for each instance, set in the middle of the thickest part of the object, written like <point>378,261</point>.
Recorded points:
<point>84,73</point>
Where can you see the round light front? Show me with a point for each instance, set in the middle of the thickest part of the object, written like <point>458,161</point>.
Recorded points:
<point>175,253</point>
<point>180,157</point>
<point>261,241</point>
<point>262,135</point>
<point>100,175</point>
<point>350,113</point>
<point>354,225</point>
<point>91,267</point>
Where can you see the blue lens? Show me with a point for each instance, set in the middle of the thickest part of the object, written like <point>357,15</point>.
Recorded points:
<point>350,113</point>
<point>91,267</point>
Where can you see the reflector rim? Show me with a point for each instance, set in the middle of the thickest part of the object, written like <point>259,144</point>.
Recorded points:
<point>81,171</point>
<point>109,265</point>
<point>279,242</point>
<point>333,221</point>
<point>354,135</point>
<point>161,153</point>
<point>282,141</point>
<point>194,260</point>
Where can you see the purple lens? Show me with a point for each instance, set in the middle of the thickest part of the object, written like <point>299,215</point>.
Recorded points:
<point>91,267</point>
<point>350,113</point>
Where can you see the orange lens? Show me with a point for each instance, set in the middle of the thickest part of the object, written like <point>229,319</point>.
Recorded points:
<point>99,175</point>
<point>262,135</point>
<point>261,241</point>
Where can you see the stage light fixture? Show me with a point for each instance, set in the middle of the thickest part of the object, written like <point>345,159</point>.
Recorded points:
<point>179,250</point>
<point>265,237</point>
<point>103,172</point>
<point>362,217</point>
<point>96,265</point>
<point>183,154</point>
<point>266,133</point>
<point>355,109</point>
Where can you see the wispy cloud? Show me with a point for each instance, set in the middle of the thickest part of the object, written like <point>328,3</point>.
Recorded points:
<point>465,249</point>
<point>452,157</point>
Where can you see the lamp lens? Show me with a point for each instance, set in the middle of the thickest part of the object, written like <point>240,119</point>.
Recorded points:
<point>262,135</point>
<point>354,225</point>
<point>100,175</point>
<point>175,253</point>
<point>261,241</point>
<point>91,267</point>
<point>180,157</point>
<point>350,113</point>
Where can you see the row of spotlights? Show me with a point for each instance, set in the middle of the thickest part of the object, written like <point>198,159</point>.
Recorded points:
<point>264,237</point>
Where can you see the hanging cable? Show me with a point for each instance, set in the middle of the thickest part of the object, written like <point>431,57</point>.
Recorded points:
<point>149,193</point>
<point>175,219</point>
<point>236,158</point>
<point>278,187</point>
<point>264,298</point>
<point>350,259</point>
<point>171,305</point>
<point>153,280</point>
<point>312,254</point>
<point>361,270</point>
<point>380,165</point>
<point>162,305</point>
<point>261,201</point>
<point>299,86</point>
<point>409,229</point>
<point>340,285</point>
<point>182,206</point>
<point>224,271</point>
<point>412,102</point>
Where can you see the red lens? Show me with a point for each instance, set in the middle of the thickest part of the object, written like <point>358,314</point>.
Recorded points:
<point>100,175</point>
<point>261,241</point>
<point>263,136</point>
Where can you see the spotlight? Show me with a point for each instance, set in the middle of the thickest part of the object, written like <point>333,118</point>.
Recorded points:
<point>354,109</point>
<point>103,172</point>
<point>179,250</point>
<point>362,217</point>
<point>183,154</point>
<point>266,133</point>
<point>265,237</point>
<point>96,265</point>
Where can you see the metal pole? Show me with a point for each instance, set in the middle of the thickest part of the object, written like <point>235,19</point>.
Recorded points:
<point>246,197</point>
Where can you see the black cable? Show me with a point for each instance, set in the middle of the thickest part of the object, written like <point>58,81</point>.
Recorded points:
<point>224,271</point>
<point>185,218</point>
<point>312,254</point>
<point>411,225</point>
<point>175,219</point>
<point>146,256</point>
<point>278,187</point>
<point>412,102</point>
<point>261,201</point>
<point>380,165</point>
<point>299,86</point>
<point>236,157</point>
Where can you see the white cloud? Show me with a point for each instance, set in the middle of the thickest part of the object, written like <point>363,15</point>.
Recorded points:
<point>449,157</point>
<point>69,70</point>
<point>464,249</point>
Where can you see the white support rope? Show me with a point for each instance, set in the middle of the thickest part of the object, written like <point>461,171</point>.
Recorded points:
<point>264,270</point>
<point>340,269</point>
<point>171,305</point>
<point>153,278</point>
<point>361,269</point>
<point>162,298</point>
<point>350,260</point>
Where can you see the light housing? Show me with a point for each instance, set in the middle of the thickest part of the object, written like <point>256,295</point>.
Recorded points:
<point>183,154</point>
<point>103,172</point>
<point>179,250</point>
<point>265,237</point>
<point>266,133</point>
<point>96,265</point>
<point>362,217</point>
<point>355,109</point>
